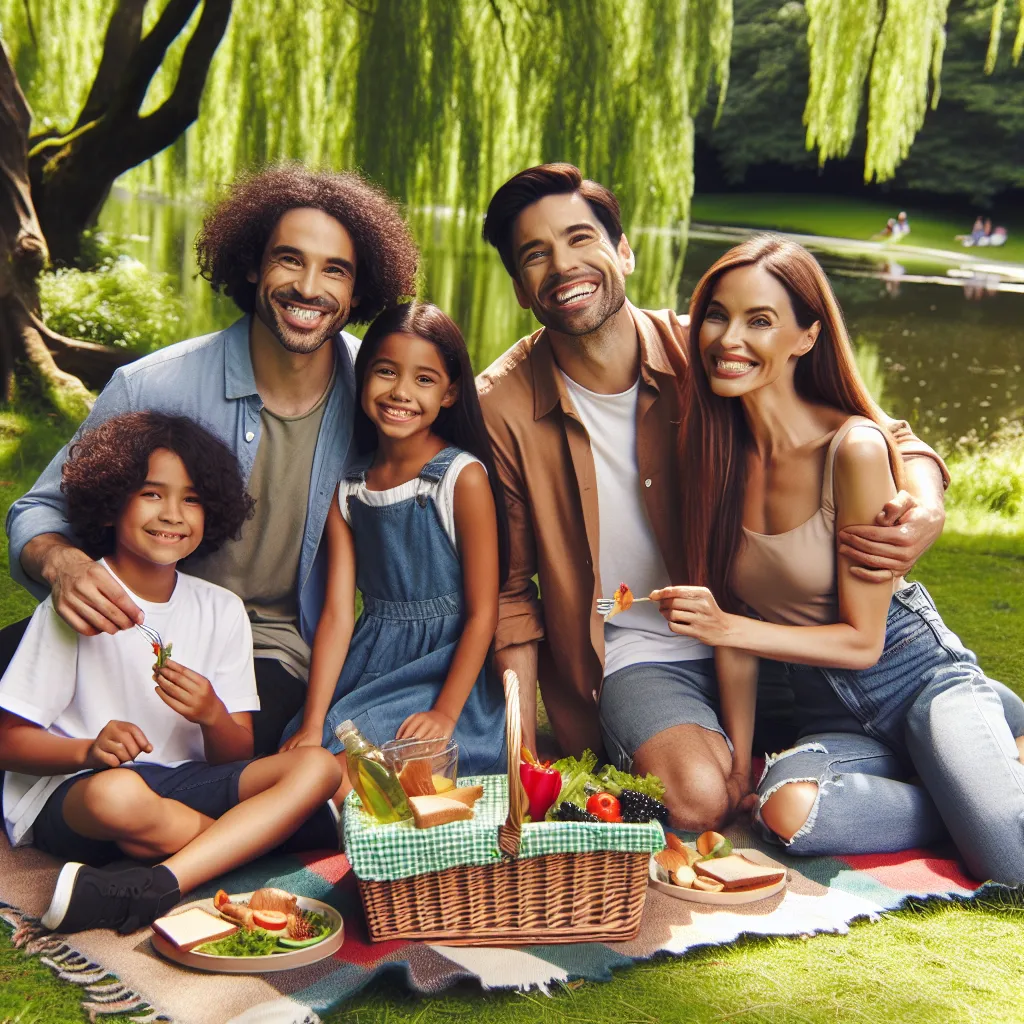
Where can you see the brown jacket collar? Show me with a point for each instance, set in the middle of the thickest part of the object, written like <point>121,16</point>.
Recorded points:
<point>549,385</point>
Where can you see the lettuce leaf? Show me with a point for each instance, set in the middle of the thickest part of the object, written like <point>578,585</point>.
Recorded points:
<point>613,781</point>
<point>576,773</point>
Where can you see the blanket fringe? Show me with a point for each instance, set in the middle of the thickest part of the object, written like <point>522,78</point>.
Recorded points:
<point>105,993</point>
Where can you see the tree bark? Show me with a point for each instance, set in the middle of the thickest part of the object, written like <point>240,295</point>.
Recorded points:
<point>48,363</point>
<point>71,175</point>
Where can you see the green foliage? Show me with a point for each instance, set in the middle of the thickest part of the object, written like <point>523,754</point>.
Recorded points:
<point>438,100</point>
<point>969,143</point>
<point>120,303</point>
<point>986,495</point>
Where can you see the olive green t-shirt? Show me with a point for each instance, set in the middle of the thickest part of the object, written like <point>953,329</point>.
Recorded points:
<point>262,568</point>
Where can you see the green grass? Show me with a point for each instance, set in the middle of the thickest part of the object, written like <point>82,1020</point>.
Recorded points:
<point>932,965</point>
<point>848,218</point>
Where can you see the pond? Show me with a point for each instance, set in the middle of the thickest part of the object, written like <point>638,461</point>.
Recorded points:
<point>950,359</point>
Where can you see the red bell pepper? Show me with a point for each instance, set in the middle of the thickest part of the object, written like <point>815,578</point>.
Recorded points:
<point>542,787</point>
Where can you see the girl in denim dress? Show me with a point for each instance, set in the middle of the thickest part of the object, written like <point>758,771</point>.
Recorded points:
<point>784,449</point>
<point>421,530</point>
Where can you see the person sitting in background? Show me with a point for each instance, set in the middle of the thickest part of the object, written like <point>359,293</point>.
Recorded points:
<point>998,236</point>
<point>902,225</point>
<point>101,764</point>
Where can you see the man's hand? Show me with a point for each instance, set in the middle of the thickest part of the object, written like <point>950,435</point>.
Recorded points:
<point>693,611</point>
<point>188,693</point>
<point>740,789</point>
<point>426,725</point>
<point>117,743</point>
<point>901,534</point>
<point>85,595</point>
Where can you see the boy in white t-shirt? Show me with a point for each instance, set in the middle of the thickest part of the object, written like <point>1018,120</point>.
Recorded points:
<point>102,764</point>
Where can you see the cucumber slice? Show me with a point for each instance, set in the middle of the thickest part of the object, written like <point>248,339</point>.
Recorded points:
<point>302,943</point>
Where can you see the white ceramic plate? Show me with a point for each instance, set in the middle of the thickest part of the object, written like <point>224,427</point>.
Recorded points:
<point>724,898</point>
<point>283,961</point>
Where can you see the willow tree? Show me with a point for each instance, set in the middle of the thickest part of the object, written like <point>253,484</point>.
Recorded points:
<point>55,181</point>
<point>440,100</point>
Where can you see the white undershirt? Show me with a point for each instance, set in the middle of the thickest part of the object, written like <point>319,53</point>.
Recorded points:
<point>628,550</point>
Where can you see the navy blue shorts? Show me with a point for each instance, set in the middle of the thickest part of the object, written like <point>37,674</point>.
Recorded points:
<point>210,789</point>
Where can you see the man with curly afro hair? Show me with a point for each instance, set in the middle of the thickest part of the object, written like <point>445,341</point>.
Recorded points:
<point>302,254</point>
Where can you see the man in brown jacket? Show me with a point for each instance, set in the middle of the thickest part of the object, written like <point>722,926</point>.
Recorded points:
<point>584,415</point>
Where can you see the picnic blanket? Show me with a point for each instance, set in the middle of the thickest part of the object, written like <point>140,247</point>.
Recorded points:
<point>123,974</point>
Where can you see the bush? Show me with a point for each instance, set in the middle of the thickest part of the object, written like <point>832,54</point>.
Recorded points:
<point>121,303</point>
<point>986,494</point>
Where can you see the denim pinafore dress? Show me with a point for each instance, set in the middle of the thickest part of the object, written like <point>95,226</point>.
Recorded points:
<point>410,576</point>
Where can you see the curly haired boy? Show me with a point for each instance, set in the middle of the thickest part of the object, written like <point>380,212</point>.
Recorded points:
<point>110,756</point>
<point>302,253</point>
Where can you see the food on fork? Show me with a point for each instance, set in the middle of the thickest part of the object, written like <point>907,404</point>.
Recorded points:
<point>622,601</point>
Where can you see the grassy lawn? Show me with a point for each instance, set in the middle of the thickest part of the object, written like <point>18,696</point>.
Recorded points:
<point>848,218</point>
<point>933,965</point>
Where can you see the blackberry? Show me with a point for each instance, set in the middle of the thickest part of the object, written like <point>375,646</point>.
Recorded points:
<point>567,811</point>
<point>638,808</point>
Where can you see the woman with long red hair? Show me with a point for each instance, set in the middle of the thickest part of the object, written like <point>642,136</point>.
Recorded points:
<point>784,447</point>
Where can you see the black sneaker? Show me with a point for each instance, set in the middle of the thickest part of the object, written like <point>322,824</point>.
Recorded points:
<point>125,898</point>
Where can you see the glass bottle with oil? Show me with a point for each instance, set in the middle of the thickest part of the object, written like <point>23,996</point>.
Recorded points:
<point>376,784</point>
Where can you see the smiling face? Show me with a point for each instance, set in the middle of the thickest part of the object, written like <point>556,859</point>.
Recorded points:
<point>568,271</point>
<point>162,522</point>
<point>750,337</point>
<point>305,284</point>
<point>406,386</point>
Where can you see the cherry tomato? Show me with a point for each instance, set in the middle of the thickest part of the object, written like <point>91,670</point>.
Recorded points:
<point>605,807</point>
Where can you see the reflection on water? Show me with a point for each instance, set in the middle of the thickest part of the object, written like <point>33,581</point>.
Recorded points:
<point>930,354</point>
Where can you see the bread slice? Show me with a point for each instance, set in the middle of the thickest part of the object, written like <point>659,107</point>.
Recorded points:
<point>192,928</point>
<point>736,872</point>
<point>428,811</point>
<point>416,778</point>
<point>467,795</point>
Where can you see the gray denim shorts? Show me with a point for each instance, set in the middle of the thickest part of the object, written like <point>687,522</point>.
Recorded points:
<point>639,701</point>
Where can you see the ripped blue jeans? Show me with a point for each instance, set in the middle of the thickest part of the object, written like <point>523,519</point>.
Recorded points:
<point>924,710</point>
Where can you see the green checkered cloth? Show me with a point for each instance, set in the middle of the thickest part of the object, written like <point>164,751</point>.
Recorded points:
<point>384,853</point>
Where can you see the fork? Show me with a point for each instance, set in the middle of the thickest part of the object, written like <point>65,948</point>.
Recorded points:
<point>606,604</point>
<point>149,633</point>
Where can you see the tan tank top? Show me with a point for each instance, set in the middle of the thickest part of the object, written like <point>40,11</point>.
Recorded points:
<point>790,578</point>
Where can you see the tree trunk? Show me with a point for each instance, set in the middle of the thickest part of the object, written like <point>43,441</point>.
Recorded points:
<point>51,365</point>
<point>71,175</point>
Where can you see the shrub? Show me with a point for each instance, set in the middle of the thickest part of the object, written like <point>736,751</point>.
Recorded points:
<point>121,303</point>
<point>986,494</point>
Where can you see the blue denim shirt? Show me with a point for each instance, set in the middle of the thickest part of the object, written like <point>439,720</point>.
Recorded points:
<point>209,379</point>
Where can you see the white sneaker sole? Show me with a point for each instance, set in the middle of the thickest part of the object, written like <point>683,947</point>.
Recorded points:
<point>58,908</point>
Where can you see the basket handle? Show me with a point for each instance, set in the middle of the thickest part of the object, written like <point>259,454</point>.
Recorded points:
<point>510,833</point>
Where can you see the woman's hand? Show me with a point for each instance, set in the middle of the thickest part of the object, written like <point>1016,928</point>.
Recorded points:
<point>693,611</point>
<point>307,736</point>
<point>426,725</point>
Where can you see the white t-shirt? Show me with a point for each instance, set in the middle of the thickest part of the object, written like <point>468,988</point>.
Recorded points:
<point>442,491</point>
<point>628,549</point>
<point>73,685</point>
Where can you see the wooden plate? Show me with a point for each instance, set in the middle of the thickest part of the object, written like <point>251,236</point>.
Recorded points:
<point>725,898</point>
<point>286,960</point>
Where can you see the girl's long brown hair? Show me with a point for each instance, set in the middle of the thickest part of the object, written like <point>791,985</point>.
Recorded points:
<point>714,437</point>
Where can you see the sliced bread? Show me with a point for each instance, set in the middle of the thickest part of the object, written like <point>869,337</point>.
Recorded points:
<point>192,928</point>
<point>428,811</point>
<point>736,872</point>
<point>467,795</point>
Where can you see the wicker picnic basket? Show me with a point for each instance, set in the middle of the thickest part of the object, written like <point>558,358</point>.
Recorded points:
<point>592,896</point>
